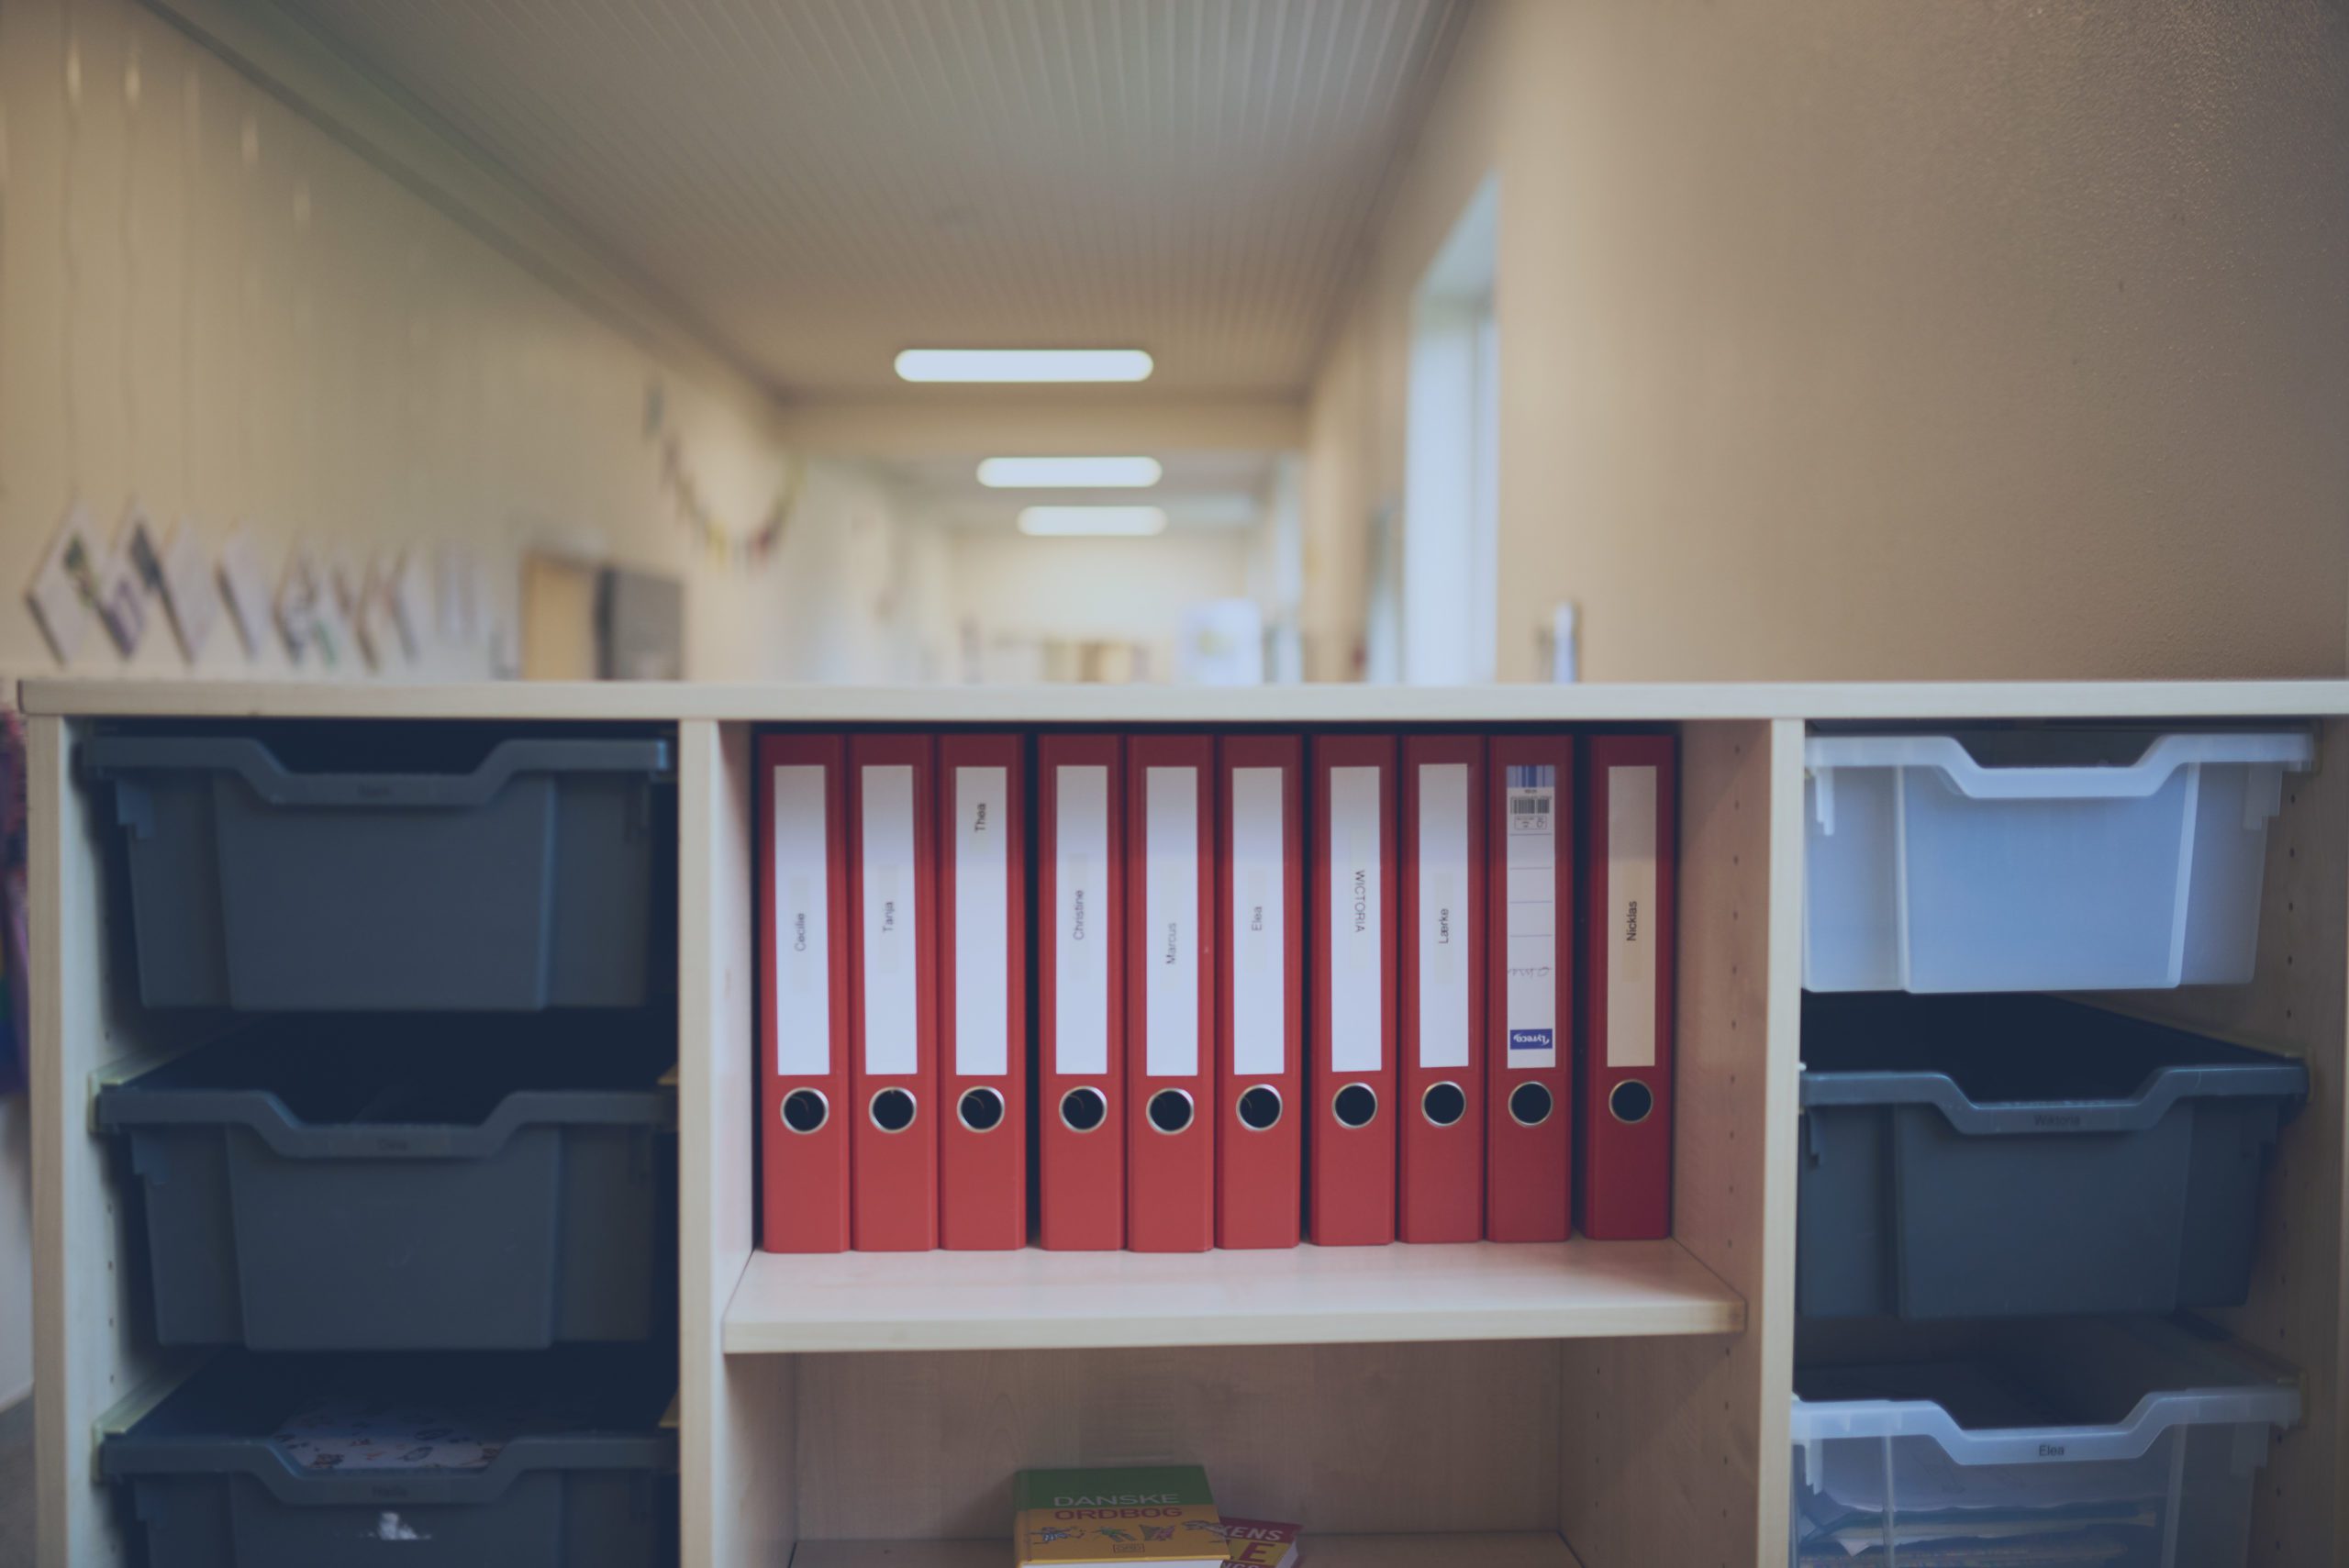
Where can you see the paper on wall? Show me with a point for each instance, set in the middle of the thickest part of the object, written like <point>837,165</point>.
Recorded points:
<point>188,592</point>
<point>245,587</point>
<point>64,593</point>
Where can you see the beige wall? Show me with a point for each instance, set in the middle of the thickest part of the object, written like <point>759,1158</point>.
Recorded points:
<point>302,341</point>
<point>1846,339</point>
<point>297,338</point>
<point>1124,590</point>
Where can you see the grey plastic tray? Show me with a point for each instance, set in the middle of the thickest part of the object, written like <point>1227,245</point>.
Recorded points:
<point>553,1461</point>
<point>320,1183</point>
<point>2005,1156</point>
<point>410,869</point>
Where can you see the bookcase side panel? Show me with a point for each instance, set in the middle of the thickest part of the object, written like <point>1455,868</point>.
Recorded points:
<point>94,1356</point>
<point>735,1437</point>
<point>1675,1451</point>
<point>2298,1002</point>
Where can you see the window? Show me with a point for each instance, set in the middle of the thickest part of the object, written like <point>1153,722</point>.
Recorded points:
<point>1451,584</point>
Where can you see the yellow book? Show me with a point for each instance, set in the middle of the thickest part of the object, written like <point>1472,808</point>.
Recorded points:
<point>1160,1515</point>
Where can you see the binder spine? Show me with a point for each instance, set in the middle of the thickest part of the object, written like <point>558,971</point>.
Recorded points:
<point>1530,1114</point>
<point>1259,972</point>
<point>983,978</point>
<point>1081,1141</point>
<point>1351,1077</point>
<point>893,1141</point>
<point>1441,985</point>
<point>1629,930</point>
<point>801,833</point>
<point>1170,995</point>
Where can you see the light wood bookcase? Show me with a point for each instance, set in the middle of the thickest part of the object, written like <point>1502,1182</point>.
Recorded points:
<point>1625,1406</point>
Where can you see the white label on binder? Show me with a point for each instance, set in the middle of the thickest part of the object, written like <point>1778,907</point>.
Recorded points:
<point>1080,930</point>
<point>1259,912</point>
<point>1444,969</point>
<point>1631,917</point>
<point>892,1026</point>
<point>1530,857</point>
<point>1171,902</point>
<point>981,961</point>
<point>1357,999</point>
<point>802,923</point>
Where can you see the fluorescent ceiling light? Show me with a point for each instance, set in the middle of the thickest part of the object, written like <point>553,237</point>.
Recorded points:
<point>1069,473</point>
<point>1066,522</point>
<point>1023,364</point>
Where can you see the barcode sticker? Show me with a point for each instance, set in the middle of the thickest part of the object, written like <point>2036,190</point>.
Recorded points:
<point>1530,862</point>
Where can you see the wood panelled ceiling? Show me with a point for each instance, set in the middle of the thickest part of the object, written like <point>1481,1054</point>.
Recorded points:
<point>818,184</point>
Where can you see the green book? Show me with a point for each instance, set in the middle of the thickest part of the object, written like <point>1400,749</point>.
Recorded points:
<point>1163,1515</point>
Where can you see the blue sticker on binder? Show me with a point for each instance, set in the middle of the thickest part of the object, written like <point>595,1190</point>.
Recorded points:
<point>1533,1040</point>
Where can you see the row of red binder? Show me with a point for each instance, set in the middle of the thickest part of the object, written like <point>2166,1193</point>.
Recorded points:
<point>1283,985</point>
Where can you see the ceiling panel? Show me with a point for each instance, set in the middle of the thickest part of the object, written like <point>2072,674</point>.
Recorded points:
<point>821,182</point>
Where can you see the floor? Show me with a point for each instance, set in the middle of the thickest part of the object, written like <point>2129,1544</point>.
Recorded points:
<point>17,1485</point>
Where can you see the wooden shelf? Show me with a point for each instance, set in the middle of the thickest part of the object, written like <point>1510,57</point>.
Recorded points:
<point>1035,1299</point>
<point>1532,1550</point>
<point>1522,703</point>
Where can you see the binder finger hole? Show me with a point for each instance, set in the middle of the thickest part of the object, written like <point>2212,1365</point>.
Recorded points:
<point>1170,1110</point>
<point>1529,1105</point>
<point>806,1110</point>
<point>1260,1108</point>
<point>893,1111</point>
<point>1630,1101</point>
<point>1356,1105</point>
<point>979,1109</point>
<point>1082,1110</point>
<point>1443,1104</point>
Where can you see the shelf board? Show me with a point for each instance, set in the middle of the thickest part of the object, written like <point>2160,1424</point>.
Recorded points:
<point>1531,1550</point>
<point>1331,703</point>
<point>1035,1299</point>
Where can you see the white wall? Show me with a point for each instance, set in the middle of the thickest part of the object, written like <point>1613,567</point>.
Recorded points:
<point>1845,340</point>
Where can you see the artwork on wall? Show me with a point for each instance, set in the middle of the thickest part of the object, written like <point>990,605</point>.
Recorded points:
<point>188,590</point>
<point>124,575</point>
<point>246,587</point>
<point>639,625</point>
<point>459,596</point>
<point>307,617</point>
<point>376,613</point>
<point>407,595</point>
<point>64,593</point>
<point>331,608</point>
<point>738,549</point>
